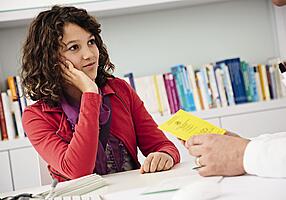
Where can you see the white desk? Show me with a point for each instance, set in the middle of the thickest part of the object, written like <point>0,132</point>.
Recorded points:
<point>130,184</point>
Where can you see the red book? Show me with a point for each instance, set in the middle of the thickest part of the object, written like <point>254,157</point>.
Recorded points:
<point>169,92</point>
<point>174,92</point>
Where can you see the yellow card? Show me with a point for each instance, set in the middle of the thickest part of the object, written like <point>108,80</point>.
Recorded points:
<point>185,125</point>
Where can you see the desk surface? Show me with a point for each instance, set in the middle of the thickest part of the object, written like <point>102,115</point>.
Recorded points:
<point>130,184</point>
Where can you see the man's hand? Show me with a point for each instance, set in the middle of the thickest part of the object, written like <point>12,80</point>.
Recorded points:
<point>220,155</point>
<point>157,161</point>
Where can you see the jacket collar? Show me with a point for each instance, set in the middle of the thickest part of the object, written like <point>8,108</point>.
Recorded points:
<point>106,90</point>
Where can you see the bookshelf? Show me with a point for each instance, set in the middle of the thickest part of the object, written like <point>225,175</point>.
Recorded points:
<point>20,166</point>
<point>192,28</point>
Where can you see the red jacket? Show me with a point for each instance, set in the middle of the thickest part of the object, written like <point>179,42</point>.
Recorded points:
<point>72,155</point>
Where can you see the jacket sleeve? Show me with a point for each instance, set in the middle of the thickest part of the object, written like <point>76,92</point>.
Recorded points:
<point>266,156</point>
<point>77,158</point>
<point>149,137</point>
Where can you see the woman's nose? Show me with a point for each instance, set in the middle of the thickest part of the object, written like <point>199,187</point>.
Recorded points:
<point>87,53</point>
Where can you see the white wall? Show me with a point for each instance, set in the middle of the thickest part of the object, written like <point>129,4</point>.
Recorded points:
<point>151,42</point>
<point>280,16</point>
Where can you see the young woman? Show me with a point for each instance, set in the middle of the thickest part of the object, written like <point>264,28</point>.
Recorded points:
<point>85,120</point>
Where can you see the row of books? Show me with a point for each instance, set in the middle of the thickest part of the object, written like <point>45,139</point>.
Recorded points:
<point>220,84</point>
<point>224,83</point>
<point>12,105</point>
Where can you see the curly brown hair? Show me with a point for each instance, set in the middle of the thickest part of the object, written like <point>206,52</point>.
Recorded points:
<point>41,76</point>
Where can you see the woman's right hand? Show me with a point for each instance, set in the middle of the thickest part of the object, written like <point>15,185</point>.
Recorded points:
<point>77,78</point>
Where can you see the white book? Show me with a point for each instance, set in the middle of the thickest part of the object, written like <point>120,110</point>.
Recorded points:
<point>273,81</point>
<point>206,82</point>
<point>281,88</point>
<point>8,116</point>
<point>227,85</point>
<point>15,108</point>
<point>162,98</point>
<point>258,85</point>
<point>202,90</point>
<point>192,77</point>
<point>222,93</point>
<point>146,91</point>
<point>21,94</point>
<point>213,86</point>
<point>277,80</point>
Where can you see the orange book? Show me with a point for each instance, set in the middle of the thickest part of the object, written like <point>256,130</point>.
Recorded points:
<point>12,86</point>
<point>199,92</point>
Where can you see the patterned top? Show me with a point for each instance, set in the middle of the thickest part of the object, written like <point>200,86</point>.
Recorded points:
<point>115,157</point>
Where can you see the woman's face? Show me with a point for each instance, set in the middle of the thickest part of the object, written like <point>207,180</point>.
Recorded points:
<point>80,48</point>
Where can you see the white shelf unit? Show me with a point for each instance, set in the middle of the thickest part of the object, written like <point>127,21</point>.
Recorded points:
<point>21,168</point>
<point>19,165</point>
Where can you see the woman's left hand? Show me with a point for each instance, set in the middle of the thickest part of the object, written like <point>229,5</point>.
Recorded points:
<point>157,161</point>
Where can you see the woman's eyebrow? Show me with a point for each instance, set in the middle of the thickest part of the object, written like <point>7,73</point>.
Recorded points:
<point>72,41</point>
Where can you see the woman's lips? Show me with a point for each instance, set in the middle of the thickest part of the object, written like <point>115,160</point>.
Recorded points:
<point>89,65</point>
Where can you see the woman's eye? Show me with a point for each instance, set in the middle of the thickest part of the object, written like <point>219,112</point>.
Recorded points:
<point>91,41</point>
<point>73,48</point>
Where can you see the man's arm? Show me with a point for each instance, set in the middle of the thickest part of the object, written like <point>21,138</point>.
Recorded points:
<point>225,155</point>
<point>266,156</point>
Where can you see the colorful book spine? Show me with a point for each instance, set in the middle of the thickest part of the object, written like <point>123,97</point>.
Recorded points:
<point>263,82</point>
<point>169,93</point>
<point>213,86</point>
<point>236,80</point>
<point>3,121</point>
<point>221,89</point>
<point>207,91</point>
<point>194,87</point>
<point>174,92</point>
<point>267,68</point>
<point>273,81</point>
<point>227,85</point>
<point>16,113</point>
<point>258,83</point>
<point>20,93</point>
<point>203,90</point>
<point>180,87</point>
<point>161,94</point>
<point>245,74</point>
<point>188,89</point>
<point>252,83</point>
<point>10,125</point>
<point>131,79</point>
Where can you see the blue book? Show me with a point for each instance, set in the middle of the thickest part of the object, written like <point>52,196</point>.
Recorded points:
<point>206,86</point>
<point>227,84</point>
<point>179,85</point>
<point>131,80</point>
<point>252,83</point>
<point>188,89</point>
<point>237,81</point>
<point>184,88</point>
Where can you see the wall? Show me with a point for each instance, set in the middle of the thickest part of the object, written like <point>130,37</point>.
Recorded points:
<point>151,42</point>
<point>280,16</point>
